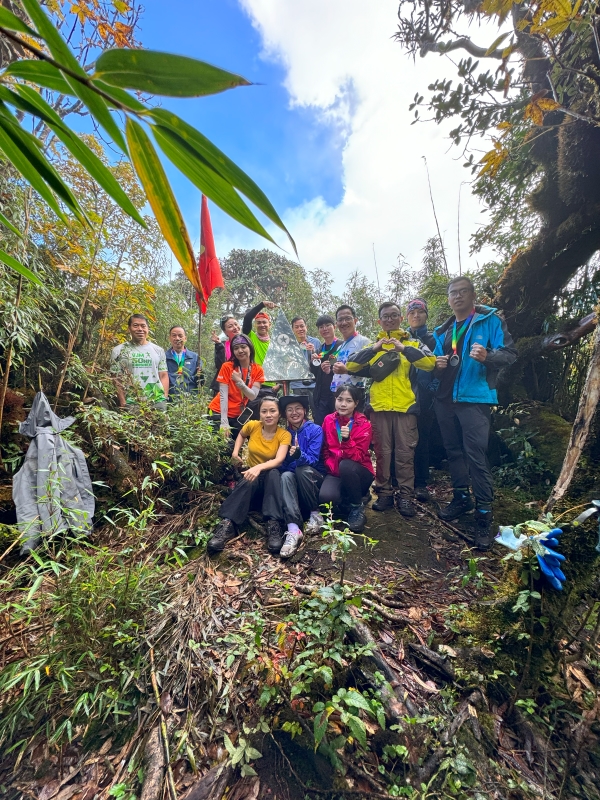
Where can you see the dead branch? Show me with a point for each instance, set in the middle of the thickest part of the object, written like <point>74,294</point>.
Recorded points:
<point>588,402</point>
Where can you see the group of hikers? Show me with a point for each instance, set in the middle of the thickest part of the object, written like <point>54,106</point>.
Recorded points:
<point>364,396</point>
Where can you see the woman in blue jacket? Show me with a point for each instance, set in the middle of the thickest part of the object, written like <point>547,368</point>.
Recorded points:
<point>302,472</point>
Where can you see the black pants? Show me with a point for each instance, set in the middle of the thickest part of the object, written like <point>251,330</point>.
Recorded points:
<point>465,429</point>
<point>300,492</point>
<point>424,423</point>
<point>323,406</point>
<point>354,482</point>
<point>264,493</point>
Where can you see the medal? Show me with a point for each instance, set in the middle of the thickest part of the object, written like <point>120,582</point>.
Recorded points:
<point>332,359</point>
<point>316,362</point>
<point>454,360</point>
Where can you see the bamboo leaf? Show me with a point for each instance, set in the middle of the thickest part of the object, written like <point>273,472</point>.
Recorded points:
<point>221,164</point>
<point>34,104</point>
<point>23,165</point>
<point>161,198</point>
<point>13,23</point>
<point>163,73</point>
<point>121,97</point>
<point>57,45</point>
<point>36,585</point>
<point>10,226</point>
<point>29,147</point>
<point>207,180</point>
<point>40,73</point>
<point>21,269</point>
<point>99,110</point>
<point>61,53</point>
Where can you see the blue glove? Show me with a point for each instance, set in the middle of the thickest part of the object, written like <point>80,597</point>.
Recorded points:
<point>544,544</point>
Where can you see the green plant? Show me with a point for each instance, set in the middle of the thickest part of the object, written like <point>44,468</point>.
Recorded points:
<point>53,66</point>
<point>196,454</point>
<point>91,604</point>
<point>242,754</point>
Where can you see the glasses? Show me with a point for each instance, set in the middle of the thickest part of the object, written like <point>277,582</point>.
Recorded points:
<point>345,319</point>
<point>459,292</point>
<point>390,317</point>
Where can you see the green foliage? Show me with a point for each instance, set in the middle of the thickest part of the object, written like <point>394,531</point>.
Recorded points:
<point>93,603</point>
<point>196,453</point>
<point>182,438</point>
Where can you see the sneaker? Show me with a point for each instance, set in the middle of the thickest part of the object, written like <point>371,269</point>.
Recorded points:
<point>275,539</point>
<point>223,533</point>
<point>291,543</point>
<point>383,503</point>
<point>405,505</point>
<point>357,519</point>
<point>315,523</point>
<point>422,494</point>
<point>461,504</point>
<point>483,530</point>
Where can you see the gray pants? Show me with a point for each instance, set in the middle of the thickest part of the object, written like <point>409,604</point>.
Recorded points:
<point>300,493</point>
<point>465,429</point>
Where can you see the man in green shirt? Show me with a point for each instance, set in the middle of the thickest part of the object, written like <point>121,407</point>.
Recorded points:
<point>260,338</point>
<point>144,361</point>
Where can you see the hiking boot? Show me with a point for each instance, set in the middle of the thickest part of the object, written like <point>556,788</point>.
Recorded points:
<point>461,504</point>
<point>357,519</point>
<point>383,503</point>
<point>275,539</point>
<point>405,505</point>
<point>223,533</point>
<point>315,523</point>
<point>422,494</point>
<point>484,537</point>
<point>291,543</point>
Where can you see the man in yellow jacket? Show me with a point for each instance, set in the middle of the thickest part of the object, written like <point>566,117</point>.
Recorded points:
<point>390,363</point>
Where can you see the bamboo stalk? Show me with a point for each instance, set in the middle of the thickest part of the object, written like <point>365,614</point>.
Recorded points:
<point>73,336</point>
<point>163,729</point>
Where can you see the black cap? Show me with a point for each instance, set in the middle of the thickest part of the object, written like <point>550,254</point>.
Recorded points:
<point>293,398</point>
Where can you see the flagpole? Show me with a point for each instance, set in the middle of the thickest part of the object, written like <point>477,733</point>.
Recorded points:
<point>199,348</point>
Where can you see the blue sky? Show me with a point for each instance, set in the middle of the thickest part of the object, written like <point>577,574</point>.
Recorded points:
<point>290,153</point>
<point>326,132</point>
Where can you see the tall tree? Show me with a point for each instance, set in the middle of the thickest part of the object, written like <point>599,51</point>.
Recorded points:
<point>535,89</point>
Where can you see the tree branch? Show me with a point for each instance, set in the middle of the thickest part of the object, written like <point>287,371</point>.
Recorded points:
<point>463,43</point>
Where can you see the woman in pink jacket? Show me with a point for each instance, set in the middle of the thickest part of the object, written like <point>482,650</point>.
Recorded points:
<point>346,456</point>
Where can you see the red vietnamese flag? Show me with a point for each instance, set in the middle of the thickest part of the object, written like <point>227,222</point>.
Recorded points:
<point>209,269</point>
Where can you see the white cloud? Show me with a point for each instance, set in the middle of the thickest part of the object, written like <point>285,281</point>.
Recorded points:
<point>342,63</point>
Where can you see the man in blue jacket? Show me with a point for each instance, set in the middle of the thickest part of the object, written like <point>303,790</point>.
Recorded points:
<point>302,473</point>
<point>471,348</point>
<point>183,365</point>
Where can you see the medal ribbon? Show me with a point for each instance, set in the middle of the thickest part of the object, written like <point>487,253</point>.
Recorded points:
<point>456,336</point>
<point>327,351</point>
<point>180,359</point>
<point>339,428</point>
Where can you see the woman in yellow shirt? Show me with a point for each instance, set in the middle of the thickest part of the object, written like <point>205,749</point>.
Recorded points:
<point>268,445</point>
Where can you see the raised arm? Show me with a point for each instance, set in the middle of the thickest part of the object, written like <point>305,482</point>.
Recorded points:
<point>249,317</point>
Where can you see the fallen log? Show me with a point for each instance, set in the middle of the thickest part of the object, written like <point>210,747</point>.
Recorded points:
<point>212,785</point>
<point>154,767</point>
